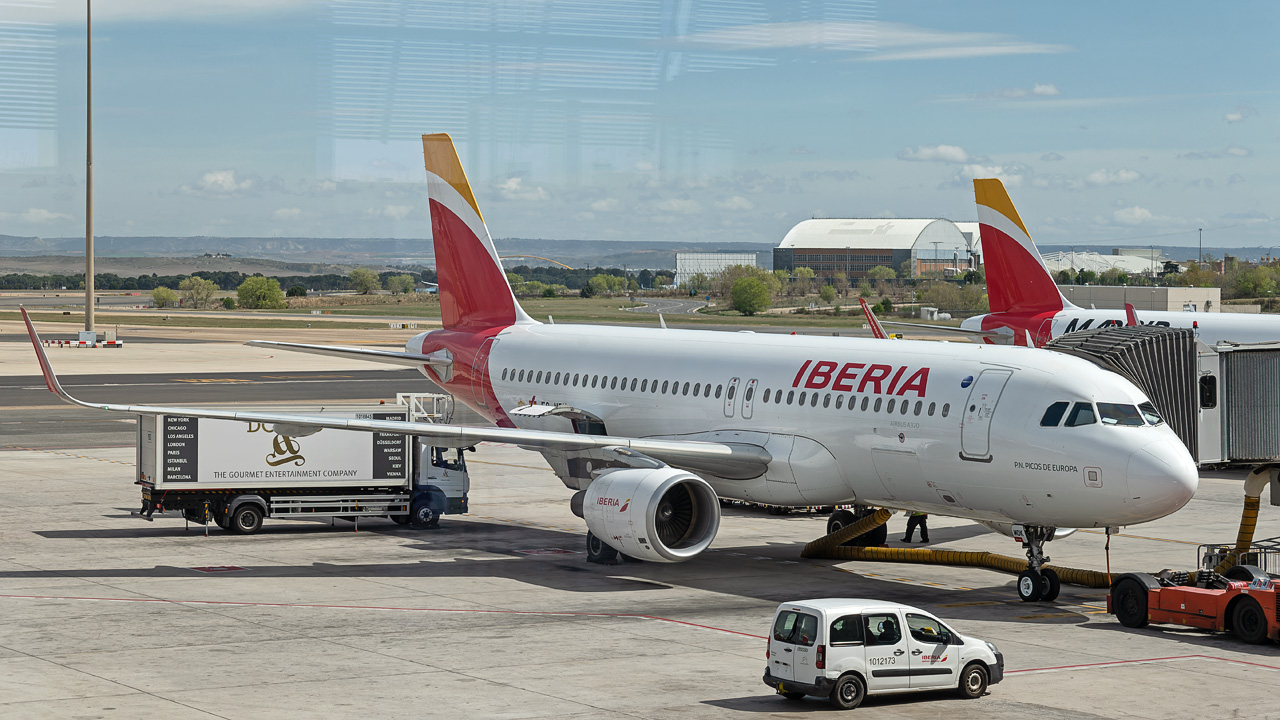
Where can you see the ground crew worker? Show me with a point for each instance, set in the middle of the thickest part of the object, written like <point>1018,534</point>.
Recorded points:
<point>917,520</point>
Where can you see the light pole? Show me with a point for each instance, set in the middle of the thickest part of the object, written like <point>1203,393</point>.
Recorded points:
<point>1200,260</point>
<point>88,164</point>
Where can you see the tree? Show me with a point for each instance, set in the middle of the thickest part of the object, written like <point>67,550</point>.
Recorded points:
<point>828,294</point>
<point>1114,276</point>
<point>550,291</point>
<point>364,281</point>
<point>723,282</point>
<point>196,291</point>
<point>840,282</point>
<point>164,297</point>
<point>602,284</point>
<point>884,306</point>
<point>296,291</point>
<point>698,284</point>
<point>1086,277</point>
<point>750,295</point>
<point>1253,282</point>
<point>864,288</point>
<point>882,272</point>
<point>259,292</point>
<point>783,279</point>
<point>401,284</point>
<point>1066,276</point>
<point>587,291</point>
<point>228,303</point>
<point>661,280</point>
<point>804,279</point>
<point>645,278</point>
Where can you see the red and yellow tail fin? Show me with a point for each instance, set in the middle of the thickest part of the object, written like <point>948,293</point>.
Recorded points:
<point>1017,279</point>
<point>474,293</point>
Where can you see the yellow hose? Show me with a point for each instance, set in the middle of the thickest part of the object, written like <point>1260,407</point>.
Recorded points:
<point>961,558</point>
<point>1253,486</point>
<point>822,545</point>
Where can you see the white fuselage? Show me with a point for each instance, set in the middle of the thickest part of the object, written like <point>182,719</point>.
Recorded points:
<point>1211,328</point>
<point>908,425</point>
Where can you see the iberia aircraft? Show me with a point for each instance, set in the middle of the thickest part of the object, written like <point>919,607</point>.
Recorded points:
<point>1026,304</point>
<point>647,426</point>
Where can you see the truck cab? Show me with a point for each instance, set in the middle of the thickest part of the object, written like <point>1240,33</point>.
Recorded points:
<point>441,485</point>
<point>845,649</point>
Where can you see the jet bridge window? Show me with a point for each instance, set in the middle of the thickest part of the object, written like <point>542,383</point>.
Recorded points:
<point>1120,414</point>
<point>1209,392</point>
<point>1053,414</point>
<point>1150,413</point>
<point>1081,414</point>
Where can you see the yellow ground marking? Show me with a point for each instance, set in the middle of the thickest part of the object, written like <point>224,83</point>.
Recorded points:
<point>1144,537</point>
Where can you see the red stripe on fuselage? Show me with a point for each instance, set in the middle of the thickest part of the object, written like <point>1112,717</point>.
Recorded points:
<point>474,294</point>
<point>1016,281</point>
<point>470,358</point>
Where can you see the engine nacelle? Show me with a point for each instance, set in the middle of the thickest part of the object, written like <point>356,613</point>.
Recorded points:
<point>1006,529</point>
<point>661,514</point>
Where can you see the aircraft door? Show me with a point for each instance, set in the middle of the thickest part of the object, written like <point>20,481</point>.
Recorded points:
<point>975,430</point>
<point>481,387</point>
<point>748,397</point>
<point>729,394</point>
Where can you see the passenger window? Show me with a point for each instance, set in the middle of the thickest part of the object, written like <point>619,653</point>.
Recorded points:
<point>521,376</point>
<point>865,400</point>
<point>876,408</point>
<point>1120,414</point>
<point>504,373</point>
<point>889,409</point>
<point>665,385</point>
<point>539,380</point>
<point>594,379</point>
<point>1151,414</point>
<point>1081,414</point>
<point>718,389</point>
<point>557,380</point>
<point>733,389</point>
<point>946,409</point>
<point>839,401</point>
<point>1053,414</point>
<point>919,405</point>
<point>814,401</point>
<point>927,630</point>
<point>906,405</point>
<point>697,389</point>
<point>931,408</point>
<point>882,630</point>
<point>826,400</point>
<point>685,390</point>
<point>576,378</point>
<point>803,395</point>
<point>653,387</point>
<point>1208,392</point>
<point>791,394</point>
<point>706,391</point>
<point>846,631</point>
<point>747,397</point>
<point>644,386</point>
<point>767,393</point>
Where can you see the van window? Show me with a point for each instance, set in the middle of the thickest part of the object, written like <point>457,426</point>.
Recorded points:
<point>882,630</point>
<point>846,631</point>
<point>1081,414</point>
<point>796,627</point>
<point>926,629</point>
<point>1053,414</point>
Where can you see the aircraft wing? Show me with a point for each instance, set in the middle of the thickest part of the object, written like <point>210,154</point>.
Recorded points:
<point>356,353</point>
<point>730,460</point>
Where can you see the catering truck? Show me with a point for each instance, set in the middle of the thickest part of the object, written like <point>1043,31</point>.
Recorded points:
<point>238,473</point>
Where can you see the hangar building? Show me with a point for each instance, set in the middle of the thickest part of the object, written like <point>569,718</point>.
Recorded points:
<point>855,245</point>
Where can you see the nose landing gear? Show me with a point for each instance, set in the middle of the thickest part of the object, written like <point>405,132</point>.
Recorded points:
<point>1036,583</point>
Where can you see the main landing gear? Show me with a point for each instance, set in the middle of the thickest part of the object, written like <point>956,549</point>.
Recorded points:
<point>1036,583</point>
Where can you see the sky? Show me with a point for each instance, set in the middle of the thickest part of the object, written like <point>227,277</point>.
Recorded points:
<point>643,120</point>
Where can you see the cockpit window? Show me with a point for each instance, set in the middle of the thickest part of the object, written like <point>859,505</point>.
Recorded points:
<point>1120,414</point>
<point>1054,414</point>
<point>1151,414</point>
<point>1081,414</point>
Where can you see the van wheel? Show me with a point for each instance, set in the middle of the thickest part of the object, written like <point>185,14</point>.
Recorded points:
<point>973,681</point>
<point>247,519</point>
<point>792,695</point>
<point>848,692</point>
<point>599,551</point>
<point>1248,621</point>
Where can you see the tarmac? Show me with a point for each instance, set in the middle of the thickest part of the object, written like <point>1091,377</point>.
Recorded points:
<point>497,613</point>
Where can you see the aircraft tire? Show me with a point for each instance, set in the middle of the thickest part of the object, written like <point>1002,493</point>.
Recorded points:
<point>1052,585</point>
<point>599,551</point>
<point>1030,586</point>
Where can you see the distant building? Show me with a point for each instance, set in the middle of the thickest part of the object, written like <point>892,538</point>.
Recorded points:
<point>1131,262</point>
<point>855,245</point>
<point>1113,297</point>
<point>709,264</point>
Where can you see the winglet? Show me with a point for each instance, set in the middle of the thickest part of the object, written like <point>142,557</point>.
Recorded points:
<point>50,379</point>
<point>1130,315</point>
<point>876,329</point>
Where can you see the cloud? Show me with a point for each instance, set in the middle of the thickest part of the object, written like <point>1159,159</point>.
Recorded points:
<point>287,213</point>
<point>737,202</point>
<point>1045,89</point>
<point>1051,157</point>
<point>1198,155</point>
<point>683,206</point>
<point>913,43</point>
<point>1011,174</point>
<point>514,189</point>
<point>397,212</point>
<point>1239,151</point>
<point>606,205</point>
<point>1240,114</point>
<point>220,183</point>
<point>935,153</point>
<point>1112,177</point>
<point>1135,215</point>
<point>1235,178</point>
<point>35,216</point>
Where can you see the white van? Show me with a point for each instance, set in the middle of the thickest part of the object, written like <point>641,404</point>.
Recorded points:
<point>846,649</point>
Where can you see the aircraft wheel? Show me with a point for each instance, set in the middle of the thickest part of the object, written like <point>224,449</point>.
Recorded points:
<point>599,551</point>
<point>1030,585</point>
<point>1051,585</point>
<point>1248,622</point>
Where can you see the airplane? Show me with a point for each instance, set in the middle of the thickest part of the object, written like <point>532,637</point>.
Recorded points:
<point>1028,308</point>
<point>650,426</point>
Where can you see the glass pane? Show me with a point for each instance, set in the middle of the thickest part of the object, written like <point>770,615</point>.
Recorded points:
<point>1081,414</point>
<point>882,630</point>
<point>1150,413</point>
<point>1053,415</point>
<point>1120,414</point>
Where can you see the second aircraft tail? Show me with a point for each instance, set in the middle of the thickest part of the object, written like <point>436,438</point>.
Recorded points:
<point>1017,279</point>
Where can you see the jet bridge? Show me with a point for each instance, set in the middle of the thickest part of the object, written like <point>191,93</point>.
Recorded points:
<point>1223,401</point>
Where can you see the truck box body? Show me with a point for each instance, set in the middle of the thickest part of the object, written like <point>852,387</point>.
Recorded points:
<point>184,453</point>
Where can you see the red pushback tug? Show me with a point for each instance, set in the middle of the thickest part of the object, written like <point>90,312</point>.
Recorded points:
<point>1246,602</point>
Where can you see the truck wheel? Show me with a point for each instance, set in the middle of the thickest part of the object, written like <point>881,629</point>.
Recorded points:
<point>425,517</point>
<point>1129,603</point>
<point>848,692</point>
<point>973,681</point>
<point>220,518</point>
<point>1030,585</point>
<point>1248,621</point>
<point>401,519</point>
<point>1052,585</point>
<point>246,519</point>
<point>599,551</point>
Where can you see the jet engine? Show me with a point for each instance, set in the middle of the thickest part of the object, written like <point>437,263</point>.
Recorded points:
<point>659,514</point>
<point>1006,529</point>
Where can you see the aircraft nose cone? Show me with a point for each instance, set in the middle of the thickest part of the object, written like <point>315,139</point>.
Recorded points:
<point>1162,478</point>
